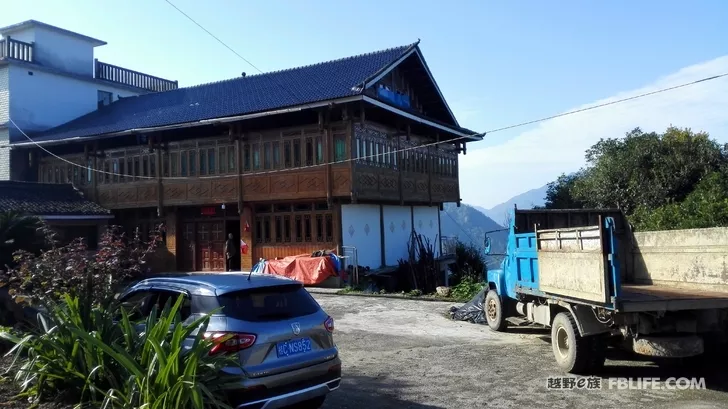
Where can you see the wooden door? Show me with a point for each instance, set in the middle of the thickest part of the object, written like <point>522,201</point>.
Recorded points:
<point>203,246</point>
<point>211,245</point>
<point>217,246</point>
<point>187,261</point>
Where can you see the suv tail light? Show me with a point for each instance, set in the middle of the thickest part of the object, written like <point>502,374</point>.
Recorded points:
<point>329,324</point>
<point>227,342</point>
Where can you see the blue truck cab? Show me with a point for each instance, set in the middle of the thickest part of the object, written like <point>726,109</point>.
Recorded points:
<point>584,274</point>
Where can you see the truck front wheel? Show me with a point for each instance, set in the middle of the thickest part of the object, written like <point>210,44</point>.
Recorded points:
<point>494,311</point>
<point>571,350</point>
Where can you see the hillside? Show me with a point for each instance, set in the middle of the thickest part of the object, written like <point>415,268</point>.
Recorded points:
<point>469,225</point>
<point>527,200</point>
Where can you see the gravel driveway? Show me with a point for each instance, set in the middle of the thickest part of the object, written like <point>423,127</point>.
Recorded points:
<point>408,354</point>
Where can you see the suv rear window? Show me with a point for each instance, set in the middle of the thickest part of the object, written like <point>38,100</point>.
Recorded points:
<point>268,303</point>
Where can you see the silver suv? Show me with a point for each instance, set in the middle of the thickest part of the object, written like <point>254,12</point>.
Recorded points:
<point>283,337</point>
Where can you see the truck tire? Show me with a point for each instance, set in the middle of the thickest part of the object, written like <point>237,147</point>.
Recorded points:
<point>493,307</point>
<point>571,350</point>
<point>598,354</point>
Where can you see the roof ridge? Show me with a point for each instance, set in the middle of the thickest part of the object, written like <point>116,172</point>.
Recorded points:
<point>351,57</point>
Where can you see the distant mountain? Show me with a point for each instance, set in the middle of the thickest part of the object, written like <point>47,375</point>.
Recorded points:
<point>469,225</point>
<point>527,200</point>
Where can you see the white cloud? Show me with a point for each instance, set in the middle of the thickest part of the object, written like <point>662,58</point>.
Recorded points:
<point>539,155</point>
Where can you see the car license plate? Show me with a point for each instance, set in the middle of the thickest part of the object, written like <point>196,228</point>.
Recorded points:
<point>293,347</point>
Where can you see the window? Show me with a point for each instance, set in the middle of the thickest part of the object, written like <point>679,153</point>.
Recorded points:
<point>203,162</point>
<point>153,166</point>
<point>222,162</point>
<point>104,98</point>
<point>309,151</point>
<point>256,157</point>
<point>174,163</point>
<point>339,148</point>
<point>287,158</point>
<point>211,161</point>
<point>276,155</point>
<point>293,223</point>
<point>246,157</point>
<point>269,303</point>
<point>145,166</point>
<point>193,163</point>
<point>296,153</point>
<point>182,164</point>
<point>164,297</point>
<point>116,171</point>
<point>267,156</point>
<point>231,159</point>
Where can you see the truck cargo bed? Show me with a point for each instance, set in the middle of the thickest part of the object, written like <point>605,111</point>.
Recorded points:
<point>655,297</point>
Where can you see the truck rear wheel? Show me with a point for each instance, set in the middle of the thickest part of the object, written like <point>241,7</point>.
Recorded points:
<point>571,350</point>
<point>494,311</point>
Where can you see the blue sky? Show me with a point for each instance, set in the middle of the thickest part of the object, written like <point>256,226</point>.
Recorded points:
<point>498,63</point>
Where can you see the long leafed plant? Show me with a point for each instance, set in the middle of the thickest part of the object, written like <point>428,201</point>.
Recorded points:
<point>120,363</point>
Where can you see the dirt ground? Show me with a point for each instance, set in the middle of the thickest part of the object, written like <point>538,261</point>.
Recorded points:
<point>408,354</point>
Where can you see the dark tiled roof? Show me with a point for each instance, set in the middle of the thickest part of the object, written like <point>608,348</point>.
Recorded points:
<point>238,96</point>
<point>47,199</point>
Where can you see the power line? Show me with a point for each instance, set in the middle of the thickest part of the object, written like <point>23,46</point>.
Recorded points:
<point>374,155</point>
<point>214,36</point>
<point>460,226</point>
<point>646,94</point>
<point>295,97</point>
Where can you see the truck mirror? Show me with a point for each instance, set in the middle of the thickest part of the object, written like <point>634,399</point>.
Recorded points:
<point>487,245</point>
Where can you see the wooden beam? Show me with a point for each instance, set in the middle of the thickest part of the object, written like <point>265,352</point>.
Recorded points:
<point>323,123</point>
<point>382,246</point>
<point>239,147</point>
<point>160,184</point>
<point>400,163</point>
<point>430,163</point>
<point>350,140</point>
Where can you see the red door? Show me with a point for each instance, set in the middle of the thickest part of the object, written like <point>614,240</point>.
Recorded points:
<point>188,247</point>
<point>210,245</point>
<point>217,246</point>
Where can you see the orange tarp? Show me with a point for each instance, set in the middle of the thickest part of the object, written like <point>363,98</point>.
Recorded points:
<point>304,268</point>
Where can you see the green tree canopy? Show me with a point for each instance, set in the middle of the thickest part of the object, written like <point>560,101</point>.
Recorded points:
<point>656,179</point>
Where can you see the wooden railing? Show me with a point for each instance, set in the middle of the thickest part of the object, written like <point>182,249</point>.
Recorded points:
<point>16,50</point>
<point>132,78</point>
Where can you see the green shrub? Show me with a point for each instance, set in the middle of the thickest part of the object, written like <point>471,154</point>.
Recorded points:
<point>469,263</point>
<point>467,288</point>
<point>110,362</point>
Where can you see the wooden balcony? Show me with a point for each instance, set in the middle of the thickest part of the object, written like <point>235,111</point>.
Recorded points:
<point>289,185</point>
<point>385,184</point>
<point>113,73</point>
<point>16,50</point>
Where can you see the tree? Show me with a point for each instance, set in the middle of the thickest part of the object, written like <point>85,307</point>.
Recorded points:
<point>561,194</point>
<point>18,232</point>
<point>644,171</point>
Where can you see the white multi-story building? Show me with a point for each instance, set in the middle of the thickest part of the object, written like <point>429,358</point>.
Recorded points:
<point>49,76</point>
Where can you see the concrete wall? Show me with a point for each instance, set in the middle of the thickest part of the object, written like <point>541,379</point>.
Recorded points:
<point>427,225</point>
<point>397,230</point>
<point>55,49</point>
<point>43,100</point>
<point>696,258</point>
<point>360,228</point>
<point>64,52</point>
<point>4,154</point>
<point>4,115</point>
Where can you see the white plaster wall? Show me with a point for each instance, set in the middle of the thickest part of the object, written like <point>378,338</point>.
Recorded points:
<point>4,155</point>
<point>64,52</point>
<point>397,230</point>
<point>360,229</point>
<point>427,224</point>
<point>44,100</point>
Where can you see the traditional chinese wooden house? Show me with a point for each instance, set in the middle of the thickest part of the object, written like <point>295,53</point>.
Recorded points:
<point>337,155</point>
